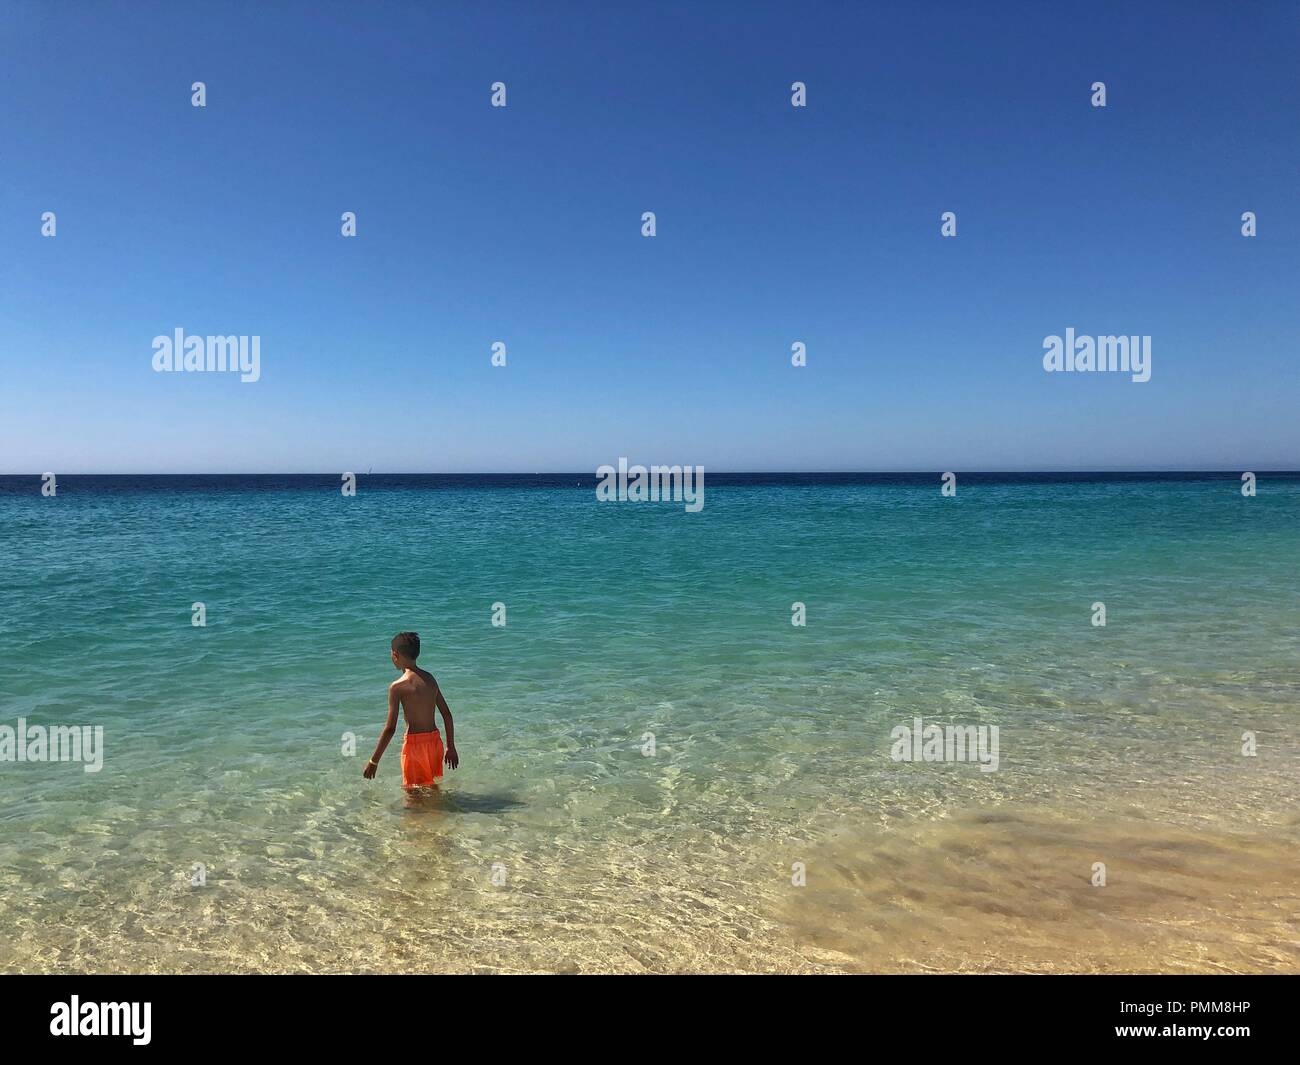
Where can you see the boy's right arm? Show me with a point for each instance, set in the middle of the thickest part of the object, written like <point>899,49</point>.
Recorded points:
<point>453,758</point>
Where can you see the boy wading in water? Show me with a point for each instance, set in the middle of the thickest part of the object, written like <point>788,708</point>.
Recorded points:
<point>419,696</point>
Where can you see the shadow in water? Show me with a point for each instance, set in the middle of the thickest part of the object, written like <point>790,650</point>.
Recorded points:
<point>459,802</point>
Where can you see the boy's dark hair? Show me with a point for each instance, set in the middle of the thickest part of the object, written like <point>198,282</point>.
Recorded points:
<point>407,644</point>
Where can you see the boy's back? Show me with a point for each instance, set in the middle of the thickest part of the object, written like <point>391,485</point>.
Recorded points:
<point>418,693</point>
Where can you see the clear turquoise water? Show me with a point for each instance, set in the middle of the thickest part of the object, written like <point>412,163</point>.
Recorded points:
<point>223,744</point>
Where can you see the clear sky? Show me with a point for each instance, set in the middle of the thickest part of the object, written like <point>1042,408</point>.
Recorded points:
<point>523,225</point>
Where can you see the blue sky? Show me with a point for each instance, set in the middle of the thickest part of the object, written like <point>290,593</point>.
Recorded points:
<point>522,224</point>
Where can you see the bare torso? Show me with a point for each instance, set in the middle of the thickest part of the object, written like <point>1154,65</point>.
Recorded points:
<point>418,692</point>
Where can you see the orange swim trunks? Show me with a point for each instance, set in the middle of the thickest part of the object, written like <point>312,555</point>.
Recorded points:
<point>421,759</point>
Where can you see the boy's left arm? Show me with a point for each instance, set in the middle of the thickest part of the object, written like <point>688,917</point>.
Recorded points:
<point>390,729</point>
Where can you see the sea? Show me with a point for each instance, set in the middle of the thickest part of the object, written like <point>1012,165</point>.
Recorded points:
<point>684,736</point>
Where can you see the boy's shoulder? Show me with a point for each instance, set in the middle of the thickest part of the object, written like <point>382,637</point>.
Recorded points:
<point>416,674</point>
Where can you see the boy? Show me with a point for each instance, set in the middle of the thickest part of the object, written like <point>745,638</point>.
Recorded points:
<point>418,694</point>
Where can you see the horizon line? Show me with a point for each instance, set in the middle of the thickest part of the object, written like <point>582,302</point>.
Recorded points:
<point>717,473</point>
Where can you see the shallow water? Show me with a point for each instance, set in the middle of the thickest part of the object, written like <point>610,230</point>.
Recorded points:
<point>560,844</point>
